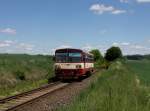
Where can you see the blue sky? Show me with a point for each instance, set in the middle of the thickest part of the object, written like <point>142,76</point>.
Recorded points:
<point>41,26</point>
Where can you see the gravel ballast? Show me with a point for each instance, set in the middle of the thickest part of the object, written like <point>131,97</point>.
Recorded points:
<point>58,98</point>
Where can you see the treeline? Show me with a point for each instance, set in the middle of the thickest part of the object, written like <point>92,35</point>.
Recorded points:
<point>112,54</point>
<point>137,57</point>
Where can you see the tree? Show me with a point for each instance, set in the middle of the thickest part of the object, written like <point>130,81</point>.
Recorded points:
<point>113,53</point>
<point>97,54</point>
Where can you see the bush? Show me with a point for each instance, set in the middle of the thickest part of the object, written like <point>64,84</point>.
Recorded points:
<point>7,80</point>
<point>105,64</point>
<point>98,58</point>
<point>97,54</point>
<point>20,75</point>
<point>113,53</point>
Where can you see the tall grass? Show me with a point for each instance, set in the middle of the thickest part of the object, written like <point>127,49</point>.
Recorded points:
<point>22,86</point>
<point>116,90</point>
<point>20,72</point>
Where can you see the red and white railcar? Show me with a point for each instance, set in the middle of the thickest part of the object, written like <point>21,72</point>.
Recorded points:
<point>73,63</point>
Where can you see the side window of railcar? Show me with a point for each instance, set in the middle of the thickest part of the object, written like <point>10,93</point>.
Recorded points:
<point>86,58</point>
<point>89,58</point>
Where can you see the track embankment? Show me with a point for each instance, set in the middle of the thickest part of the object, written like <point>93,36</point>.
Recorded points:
<point>56,98</point>
<point>22,99</point>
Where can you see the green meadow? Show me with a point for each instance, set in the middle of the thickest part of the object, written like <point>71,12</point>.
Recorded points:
<point>141,68</point>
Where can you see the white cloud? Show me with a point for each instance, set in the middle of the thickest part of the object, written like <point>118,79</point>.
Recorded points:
<point>126,47</point>
<point>120,44</point>
<point>138,47</point>
<point>9,46</point>
<point>115,44</point>
<point>21,46</point>
<point>9,41</point>
<point>143,1</point>
<point>131,48</point>
<point>125,43</point>
<point>63,46</point>
<point>124,1</point>
<point>59,47</point>
<point>25,46</point>
<point>5,43</point>
<point>8,31</point>
<point>87,48</point>
<point>139,1</point>
<point>118,11</point>
<point>101,8</point>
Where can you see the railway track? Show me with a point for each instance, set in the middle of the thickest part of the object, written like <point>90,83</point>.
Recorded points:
<point>15,101</point>
<point>12,102</point>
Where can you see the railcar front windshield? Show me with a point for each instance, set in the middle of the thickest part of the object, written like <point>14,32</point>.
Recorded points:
<point>74,57</point>
<point>68,57</point>
<point>61,57</point>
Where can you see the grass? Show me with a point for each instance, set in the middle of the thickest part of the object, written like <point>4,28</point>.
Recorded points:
<point>21,72</point>
<point>141,68</point>
<point>22,87</point>
<point>116,90</point>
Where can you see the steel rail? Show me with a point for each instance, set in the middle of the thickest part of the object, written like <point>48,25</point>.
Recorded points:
<point>12,102</point>
<point>21,99</point>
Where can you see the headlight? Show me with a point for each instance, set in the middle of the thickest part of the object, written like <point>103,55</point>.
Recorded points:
<point>78,66</point>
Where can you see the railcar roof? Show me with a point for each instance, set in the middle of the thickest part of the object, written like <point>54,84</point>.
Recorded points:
<point>69,49</point>
<point>73,49</point>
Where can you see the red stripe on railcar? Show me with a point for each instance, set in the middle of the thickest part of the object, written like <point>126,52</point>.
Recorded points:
<point>72,73</point>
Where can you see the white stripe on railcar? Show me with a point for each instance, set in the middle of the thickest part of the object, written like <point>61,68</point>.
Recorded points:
<point>73,65</point>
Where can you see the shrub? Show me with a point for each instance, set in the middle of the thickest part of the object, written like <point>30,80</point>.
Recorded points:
<point>20,75</point>
<point>97,54</point>
<point>5,80</point>
<point>98,58</point>
<point>113,53</point>
<point>105,64</point>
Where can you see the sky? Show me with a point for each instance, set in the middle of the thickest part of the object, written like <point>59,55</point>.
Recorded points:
<point>42,26</point>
